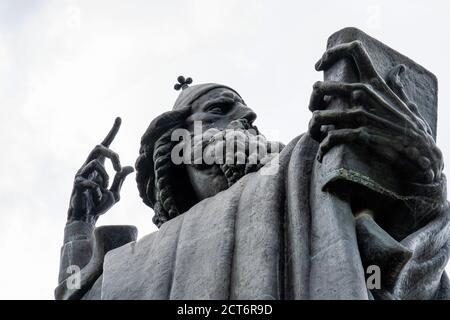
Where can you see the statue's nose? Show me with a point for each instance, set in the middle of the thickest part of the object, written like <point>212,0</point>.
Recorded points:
<point>248,114</point>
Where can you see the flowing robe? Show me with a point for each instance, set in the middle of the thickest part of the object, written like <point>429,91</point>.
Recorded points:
<point>277,236</point>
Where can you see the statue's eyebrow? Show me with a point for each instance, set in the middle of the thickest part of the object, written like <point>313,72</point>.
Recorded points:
<point>220,99</point>
<point>230,94</point>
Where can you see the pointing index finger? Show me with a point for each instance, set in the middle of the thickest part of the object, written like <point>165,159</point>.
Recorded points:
<point>112,133</point>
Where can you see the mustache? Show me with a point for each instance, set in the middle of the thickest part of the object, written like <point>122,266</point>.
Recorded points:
<point>239,144</point>
<point>243,124</point>
<point>239,125</point>
<point>241,128</point>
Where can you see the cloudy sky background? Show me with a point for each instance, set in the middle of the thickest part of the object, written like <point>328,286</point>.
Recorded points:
<point>68,68</point>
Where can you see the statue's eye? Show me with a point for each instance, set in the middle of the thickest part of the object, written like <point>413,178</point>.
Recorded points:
<point>218,108</point>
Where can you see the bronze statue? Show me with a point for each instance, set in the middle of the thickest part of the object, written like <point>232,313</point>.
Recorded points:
<point>361,192</point>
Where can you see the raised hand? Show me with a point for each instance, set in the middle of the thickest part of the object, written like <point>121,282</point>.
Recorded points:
<point>379,117</point>
<point>91,196</point>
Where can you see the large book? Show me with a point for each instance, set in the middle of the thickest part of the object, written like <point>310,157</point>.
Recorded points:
<point>353,167</point>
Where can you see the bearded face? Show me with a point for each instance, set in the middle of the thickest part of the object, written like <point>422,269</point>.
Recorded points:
<point>224,145</point>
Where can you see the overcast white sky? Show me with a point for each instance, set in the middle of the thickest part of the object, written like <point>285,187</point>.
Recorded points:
<point>68,68</point>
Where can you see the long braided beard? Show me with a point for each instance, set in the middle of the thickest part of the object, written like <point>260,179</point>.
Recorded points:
<point>237,150</point>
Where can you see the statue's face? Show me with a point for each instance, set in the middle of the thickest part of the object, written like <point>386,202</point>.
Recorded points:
<point>217,109</point>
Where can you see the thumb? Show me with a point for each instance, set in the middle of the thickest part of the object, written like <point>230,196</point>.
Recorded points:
<point>119,178</point>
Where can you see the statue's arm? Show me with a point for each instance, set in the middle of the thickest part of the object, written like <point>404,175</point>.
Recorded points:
<point>76,250</point>
<point>82,257</point>
<point>85,246</point>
